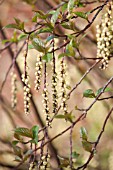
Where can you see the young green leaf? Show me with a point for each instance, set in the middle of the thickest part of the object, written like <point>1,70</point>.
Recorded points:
<point>64,7</point>
<point>55,16</point>
<point>83,133</point>
<point>15,142</point>
<point>75,155</point>
<point>43,30</point>
<point>89,93</point>
<point>35,130</point>
<point>66,25</point>
<point>38,44</point>
<point>62,55</point>
<point>87,145</point>
<point>82,15</point>
<point>23,132</point>
<point>12,26</point>
<point>70,5</point>
<point>22,36</point>
<point>68,117</point>
<point>107,89</point>
<point>18,159</point>
<point>30,46</point>
<point>47,57</point>
<point>34,19</point>
<point>17,21</point>
<point>60,116</point>
<point>27,154</point>
<point>5,41</point>
<point>17,151</point>
<point>39,14</point>
<point>70,50</point>
<point>18,137</point>
<point>49,38</point>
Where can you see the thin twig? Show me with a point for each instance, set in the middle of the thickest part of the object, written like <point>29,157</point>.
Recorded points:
<point>97,141</point>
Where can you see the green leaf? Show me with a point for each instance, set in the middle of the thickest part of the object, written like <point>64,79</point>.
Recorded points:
<point>55,16</point>
<point>64,7</point>
<point>38,44</point>
<point>81,15</point>
<point>14,37</point>
<point>68,117</point>
<point>47,57</point>
<point>15,142</point>
<point>75,155</point>
<point>17,151</point>
<point>34,19</point>
<point>27,154</point>
<point>66,25</point>
<point>23,132</point>
<point>64,161</point>
<point>18,159</point>
<point>43,30</point>
<point>17,21</point>
<point>60,116</point>
<point>22,36</point>
<point>62,55</point>
<point>83,133</point>
<point>107,89</point>
<point>70,50</point>
<point>18,137</point>
<point>78,3</point>
<point>87,145</point>
<point>21,26</point>
<point>39,14</point>
<point>89,93</point>
<point>70,5</point>
<point>5,41</point>
<point>51,12</point>
<point>30,46</point>
<point>12,26</point>
<point>35,130</point>
<point>49,38</point>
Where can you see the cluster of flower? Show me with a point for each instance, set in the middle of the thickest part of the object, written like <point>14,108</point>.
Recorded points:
<point>38,72</point>
<point>45,162</point>
<point>27,95</point>
<point>32,166</point>
<point>54,90</point>
<point>14,90</point>
<point>46,106</point>
<point>63,94</point>
<point>105,36</point>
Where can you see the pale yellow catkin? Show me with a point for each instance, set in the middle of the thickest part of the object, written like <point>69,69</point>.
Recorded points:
<point>105,36</point>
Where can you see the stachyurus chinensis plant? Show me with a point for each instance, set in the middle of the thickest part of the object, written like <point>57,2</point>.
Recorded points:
<point>57,40</point>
